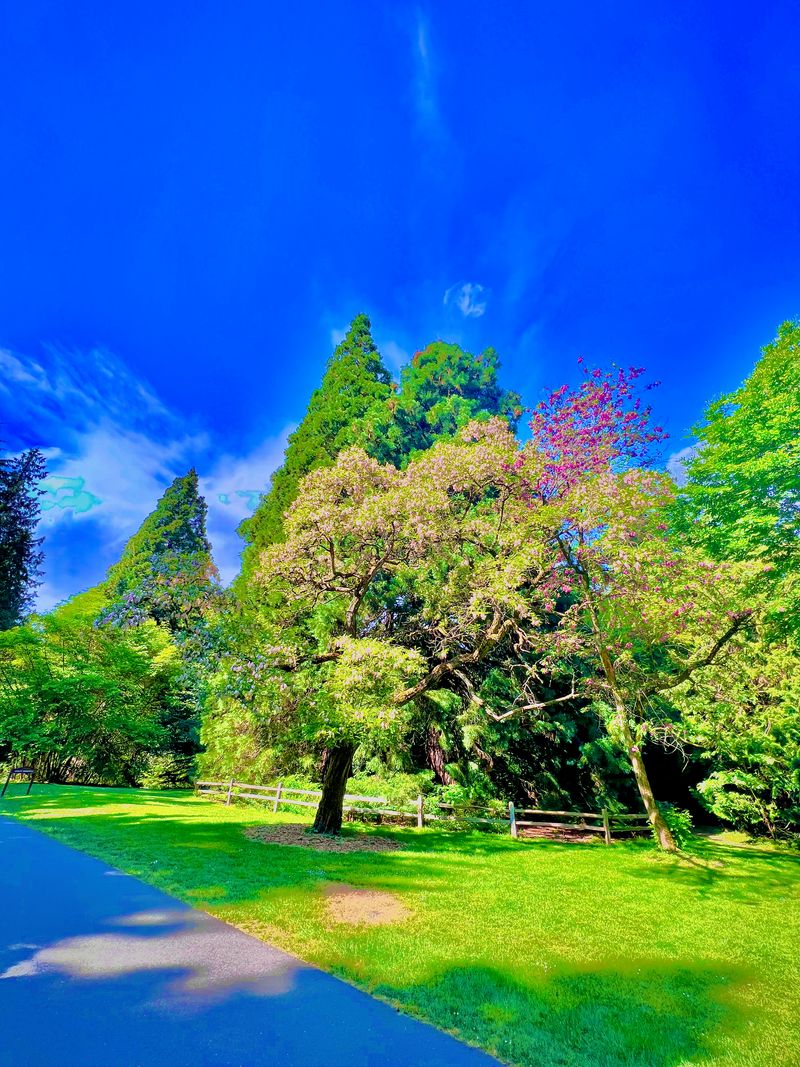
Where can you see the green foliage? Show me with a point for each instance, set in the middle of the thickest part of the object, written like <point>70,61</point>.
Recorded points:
<point>741,501</point>
<point>235,746</point>
<point>20,554</point>
<point>165,770</point>
<point>744,725</point>
<point>679,823</point>
<point>356,691</point>
<point>82,702</point>
<point>742,498</point>
<point>354,380</point>
<point>441,390</point>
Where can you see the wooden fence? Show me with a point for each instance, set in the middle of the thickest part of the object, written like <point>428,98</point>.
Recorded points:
<point>280,794</point>
<point>590,822</point>
<point>606,823</point>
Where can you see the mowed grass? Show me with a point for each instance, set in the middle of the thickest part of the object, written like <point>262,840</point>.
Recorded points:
<point>542,953</point>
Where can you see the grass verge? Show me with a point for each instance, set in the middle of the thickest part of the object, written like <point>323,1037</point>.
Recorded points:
<point>542,953</point>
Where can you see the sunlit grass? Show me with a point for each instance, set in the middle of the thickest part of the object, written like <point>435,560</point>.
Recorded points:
<point>542,953</point>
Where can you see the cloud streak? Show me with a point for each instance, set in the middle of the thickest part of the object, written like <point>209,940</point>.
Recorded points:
<point>426,100</point>
<point>112,448</point>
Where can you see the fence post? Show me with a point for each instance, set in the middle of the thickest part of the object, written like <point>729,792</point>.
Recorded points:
<point>606,826</point>
<point>230,790</point>
<point>420,816</point>
<point>277,796</point>
<point>512,819</point>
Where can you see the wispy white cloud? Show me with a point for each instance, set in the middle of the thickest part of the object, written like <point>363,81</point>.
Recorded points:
<point>469,297</point>
<point>426,99</point>
<point>676,464</point>
<point>338,334</point>
<point>112,447</point>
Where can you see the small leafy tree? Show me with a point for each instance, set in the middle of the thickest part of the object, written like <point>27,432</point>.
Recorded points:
<point>741,501</point>
<point>644,612</point>
<point>81,702</point>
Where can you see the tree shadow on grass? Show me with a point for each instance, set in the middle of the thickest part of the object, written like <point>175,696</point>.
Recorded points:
<point>640,1016</point>
<point>744,874</point>
<point>647,1013</point>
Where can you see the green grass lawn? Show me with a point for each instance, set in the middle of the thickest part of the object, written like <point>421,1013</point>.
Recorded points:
<point>543,953</point>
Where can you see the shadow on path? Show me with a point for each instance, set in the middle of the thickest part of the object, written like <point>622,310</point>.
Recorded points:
<point>97,968</point>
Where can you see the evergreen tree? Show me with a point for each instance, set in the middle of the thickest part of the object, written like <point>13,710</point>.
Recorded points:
<point>20,554</point>
<point>171,540</point>
<point>441,389</point>
<point>354,380</point>
<point>166,575</point>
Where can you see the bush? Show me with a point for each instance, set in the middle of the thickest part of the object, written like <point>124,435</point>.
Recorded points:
<point>679,823</point>
<point>749,802</point>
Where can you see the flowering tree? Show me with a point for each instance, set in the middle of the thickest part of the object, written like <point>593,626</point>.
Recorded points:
<point>645,612</point>
<point>395,584</point>
<point>391,584</point>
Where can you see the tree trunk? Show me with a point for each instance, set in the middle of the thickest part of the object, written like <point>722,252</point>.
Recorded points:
<point>663,832</point>
<point>437,757</point>
<point>338,767</point>
<point>634,751</point>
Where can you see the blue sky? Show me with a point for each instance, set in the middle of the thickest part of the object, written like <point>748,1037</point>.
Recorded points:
<point>196,198</point>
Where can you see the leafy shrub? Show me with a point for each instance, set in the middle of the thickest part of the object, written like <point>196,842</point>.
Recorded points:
<point>748,802</point>
<point>679,823</point>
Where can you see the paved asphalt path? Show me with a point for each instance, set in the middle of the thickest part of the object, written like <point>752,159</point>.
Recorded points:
<point>98,969</point>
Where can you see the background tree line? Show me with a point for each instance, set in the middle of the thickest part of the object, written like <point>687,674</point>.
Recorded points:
<point>431,597</point>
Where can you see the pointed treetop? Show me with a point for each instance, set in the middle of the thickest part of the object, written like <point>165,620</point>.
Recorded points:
<point>355,380</point>
<point>175,528</point>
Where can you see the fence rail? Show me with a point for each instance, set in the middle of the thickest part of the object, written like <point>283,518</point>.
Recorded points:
<point>603,822</point>
<point>277,794</point>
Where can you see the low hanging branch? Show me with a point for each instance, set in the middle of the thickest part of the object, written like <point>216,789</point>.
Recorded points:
<point>661,685</point>
<point>537,705</point>
<point>493,636</point>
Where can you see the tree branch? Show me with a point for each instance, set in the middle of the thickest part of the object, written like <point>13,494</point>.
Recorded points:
<point>739,620</point>
<point>496,632</point>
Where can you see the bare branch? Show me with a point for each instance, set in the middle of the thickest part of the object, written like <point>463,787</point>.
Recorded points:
<point>538,705</point>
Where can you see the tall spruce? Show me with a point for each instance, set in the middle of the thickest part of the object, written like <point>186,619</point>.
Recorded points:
<point>174,533</point>
<point>20,552</point>
<point>354,381</point>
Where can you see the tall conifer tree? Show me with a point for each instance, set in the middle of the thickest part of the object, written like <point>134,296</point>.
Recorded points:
<point>20,552</point>
<point>354,380</point>
<point>165,571</point>
<point>442,388</point>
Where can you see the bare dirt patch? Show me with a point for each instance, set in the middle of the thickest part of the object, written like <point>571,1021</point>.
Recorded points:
<point>297,834</point>
<point>372,907</point>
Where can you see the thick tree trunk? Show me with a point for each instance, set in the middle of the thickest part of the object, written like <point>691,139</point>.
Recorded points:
<point>663,832</point>
<point>437,757</point>
<point>338,767</point>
